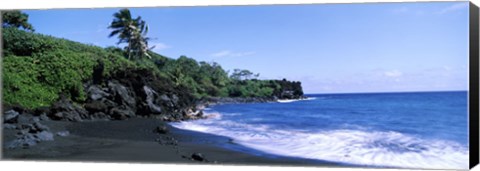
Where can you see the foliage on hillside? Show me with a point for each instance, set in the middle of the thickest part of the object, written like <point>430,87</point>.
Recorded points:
<point>38,69</point>
<point>16,19</point>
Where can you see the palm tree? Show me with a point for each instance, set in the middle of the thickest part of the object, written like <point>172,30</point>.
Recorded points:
<point>131,31</point>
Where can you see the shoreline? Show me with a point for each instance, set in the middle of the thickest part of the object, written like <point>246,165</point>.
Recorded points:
<point>134,141</point>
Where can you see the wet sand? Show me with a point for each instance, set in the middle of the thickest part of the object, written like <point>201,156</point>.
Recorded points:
<point>135,141</point>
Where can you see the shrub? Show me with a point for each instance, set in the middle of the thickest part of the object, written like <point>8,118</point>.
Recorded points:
<point>37,68</point>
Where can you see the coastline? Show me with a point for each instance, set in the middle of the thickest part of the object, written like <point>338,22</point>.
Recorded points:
<point>134,141</point>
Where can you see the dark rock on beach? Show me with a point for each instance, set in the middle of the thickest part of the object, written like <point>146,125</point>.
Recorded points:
<point>125,95</point>
<point>29,134</point>
<point>66,110</point>
<point>44,136</point>
<point>150,99</point>
<point>9,126</point>
<point>162,129</point>
<point>44,117</point>
<point>198,157</point>
<point>63,133</point>
<point>96,106</point>
<point>121,95</point>
<point>10,116</point>
<point>37,127</point>
<point>121,114</point>
<point>25,118</point>
<point>94,92</point>
<point>23,141</point>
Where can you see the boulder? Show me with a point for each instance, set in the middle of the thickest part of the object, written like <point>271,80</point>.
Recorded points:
<point>162,129</point>
<point>23,141</point>
<point>110,104</point>
<point>164,97</point>
<point>67,116</point>
<point>40,127</point>
<point>44,136</point>
<point>99,115</point>
<point>165,100</point>
<point>63,133</point>
<point>44,117</point>
<point>25,118</point>
<point>35,119</point>
<point>198,157</point>
<point>64,109</point>
<point>121,94</point>
<point>121,114</point>
<point>31,134</point>
<point>10,116</point>
<point>96,106</point>
<point>9,126</point>
<point>33,128</point>
<point>155,109</point>
<point>96,93</point>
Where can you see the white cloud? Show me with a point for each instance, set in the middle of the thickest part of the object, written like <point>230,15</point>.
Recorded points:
<point>454,7</point>
<point>221,53</point>
<point>160,46</point>
<point>394,73</point>
<point>227,53</point>
<point>401,10</point>
<point>416,11</point>
<point>405,10</point>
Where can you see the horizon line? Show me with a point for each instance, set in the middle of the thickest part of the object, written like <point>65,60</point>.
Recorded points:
<point>371,92</point>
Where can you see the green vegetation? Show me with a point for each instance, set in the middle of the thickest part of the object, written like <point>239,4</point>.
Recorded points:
<point>16,19</point>
<point>39,69</point>
<point>130,31</point>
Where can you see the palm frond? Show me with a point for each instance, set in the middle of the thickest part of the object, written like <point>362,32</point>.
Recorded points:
<point>114,32</point>
<point>131,31</point>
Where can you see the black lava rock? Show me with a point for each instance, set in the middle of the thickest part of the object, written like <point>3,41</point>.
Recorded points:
<point>162,129</point>
<point>198,157</point>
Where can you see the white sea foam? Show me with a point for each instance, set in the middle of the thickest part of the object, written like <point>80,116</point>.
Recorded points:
<point>295,100</point>
<point>352,146</point>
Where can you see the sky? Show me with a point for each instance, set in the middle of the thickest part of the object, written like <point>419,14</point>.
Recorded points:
<point>330,48</point>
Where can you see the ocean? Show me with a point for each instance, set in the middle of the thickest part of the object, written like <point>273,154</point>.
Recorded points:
<point>404,130</point>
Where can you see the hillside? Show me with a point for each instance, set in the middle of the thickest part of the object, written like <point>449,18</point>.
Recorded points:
<point>67,80</point>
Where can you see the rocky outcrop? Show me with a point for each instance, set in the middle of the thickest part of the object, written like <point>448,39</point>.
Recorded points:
<point>137,92</point>
<point>151,95</point>
<point>236,100</point>
<point>10,116</point>
<point>288,89</point>
<point>30,130</point>
<point>121,95</point>
<point>124,95</point>
<point>30,135</point>
<point>96,93</point>
<point>65,109</point>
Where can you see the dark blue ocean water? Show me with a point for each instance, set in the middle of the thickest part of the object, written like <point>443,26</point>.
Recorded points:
<point>414,130</point>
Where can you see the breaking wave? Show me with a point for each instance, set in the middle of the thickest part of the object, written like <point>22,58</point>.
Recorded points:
<point>360,147</point>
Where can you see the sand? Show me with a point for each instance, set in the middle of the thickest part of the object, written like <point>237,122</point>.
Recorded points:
<point>134,141</point>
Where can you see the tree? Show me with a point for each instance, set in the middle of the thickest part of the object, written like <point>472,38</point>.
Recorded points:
<point>16,19</point>
<point>243,74</point>
<point>215,72</point>
<point>130,31</point>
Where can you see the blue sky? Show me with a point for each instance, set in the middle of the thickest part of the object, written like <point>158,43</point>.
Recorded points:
<point>330,48</point>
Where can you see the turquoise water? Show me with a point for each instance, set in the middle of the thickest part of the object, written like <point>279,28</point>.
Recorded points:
<point>410,130</point>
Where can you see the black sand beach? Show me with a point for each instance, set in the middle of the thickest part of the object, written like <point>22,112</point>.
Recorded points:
<point>135,141</point>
